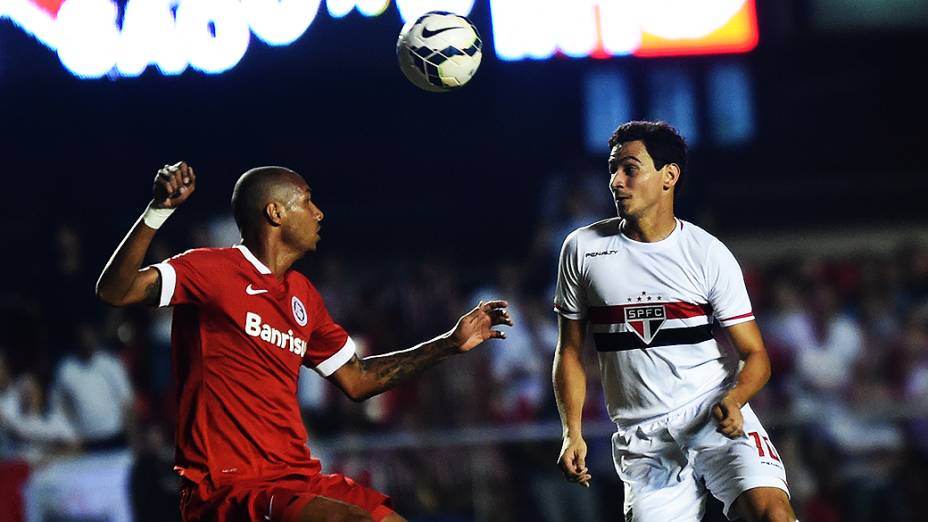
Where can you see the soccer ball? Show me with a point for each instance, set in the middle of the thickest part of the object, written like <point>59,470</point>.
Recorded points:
<point>439,51</point>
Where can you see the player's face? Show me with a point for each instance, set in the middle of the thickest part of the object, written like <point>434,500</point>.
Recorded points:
<point>636,185</point>
<point>303,218</point>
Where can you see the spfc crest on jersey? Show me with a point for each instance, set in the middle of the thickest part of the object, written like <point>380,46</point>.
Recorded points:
<point>645,320</point>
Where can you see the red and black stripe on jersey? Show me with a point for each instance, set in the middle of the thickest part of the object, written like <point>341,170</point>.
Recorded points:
<point>667,334</point>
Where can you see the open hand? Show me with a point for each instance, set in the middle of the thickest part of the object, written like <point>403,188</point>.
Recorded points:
<point>477,326</point>
<point>727,413</point>
<point>173,185</point>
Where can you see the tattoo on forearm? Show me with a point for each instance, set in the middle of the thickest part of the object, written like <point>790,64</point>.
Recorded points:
<point>391,369</point>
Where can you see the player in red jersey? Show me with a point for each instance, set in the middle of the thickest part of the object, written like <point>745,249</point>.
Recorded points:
<point>243,324</point>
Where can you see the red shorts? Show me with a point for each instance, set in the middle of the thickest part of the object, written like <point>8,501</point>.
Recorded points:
<point>277,501</point>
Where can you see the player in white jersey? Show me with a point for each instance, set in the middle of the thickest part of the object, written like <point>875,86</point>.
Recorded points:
<point>648,287</point>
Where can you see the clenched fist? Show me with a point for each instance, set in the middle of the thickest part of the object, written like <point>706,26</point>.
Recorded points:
<point>173,185</point>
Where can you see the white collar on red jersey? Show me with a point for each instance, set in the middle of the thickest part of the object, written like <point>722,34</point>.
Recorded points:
<point>261,267</point>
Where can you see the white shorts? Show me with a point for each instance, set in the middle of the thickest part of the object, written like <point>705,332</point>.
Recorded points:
<point>668,463</point>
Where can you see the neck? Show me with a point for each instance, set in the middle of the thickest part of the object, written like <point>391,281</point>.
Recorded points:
<point>274,254</point>
<point>650,228</point>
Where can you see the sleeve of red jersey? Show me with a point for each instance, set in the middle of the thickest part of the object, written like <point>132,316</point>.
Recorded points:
<point>569,299</point>
<point>330,347</point>
<point>186,278</point>
<point>726,290</point>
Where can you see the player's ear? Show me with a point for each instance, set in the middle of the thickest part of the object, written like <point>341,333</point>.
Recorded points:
<point>274,213</point>
<point>671,173</point>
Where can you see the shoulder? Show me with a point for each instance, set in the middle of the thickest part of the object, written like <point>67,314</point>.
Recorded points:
<point>68,369</point>
<point>699,240</point>
<point>67,365</point>
<point>305,286</point>
<point>605,228</point>
<point>208,255</point>
<point>697,234</point>
<point>108,364</point>
<point>298,278</point>
<point>107,360</point>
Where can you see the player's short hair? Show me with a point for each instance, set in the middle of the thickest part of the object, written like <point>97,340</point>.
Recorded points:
<point>253,191</point>
<point>663,141</point>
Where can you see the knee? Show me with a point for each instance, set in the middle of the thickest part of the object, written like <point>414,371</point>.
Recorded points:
<point>777,512</point>
<point>355,514</point>
<point>343,514</point>
<point>765,506</point>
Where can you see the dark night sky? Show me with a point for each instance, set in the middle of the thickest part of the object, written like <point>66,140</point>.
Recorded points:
<point>840,119</point>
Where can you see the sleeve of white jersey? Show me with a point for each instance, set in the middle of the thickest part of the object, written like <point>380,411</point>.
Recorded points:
<point>726,290</point>
<point>569,298</point>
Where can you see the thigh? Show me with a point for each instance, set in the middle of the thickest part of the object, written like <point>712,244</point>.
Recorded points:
<point>282,500</point>
<point>324,509</point>
<point>730,467</point>
<point>660,484</point>
<point>339,488</point>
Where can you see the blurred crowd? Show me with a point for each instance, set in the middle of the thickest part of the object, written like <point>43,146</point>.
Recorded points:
<point>847,335</point>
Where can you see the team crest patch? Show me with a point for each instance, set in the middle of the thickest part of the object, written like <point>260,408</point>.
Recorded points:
<point>299,311</point>
<point>645,320</point>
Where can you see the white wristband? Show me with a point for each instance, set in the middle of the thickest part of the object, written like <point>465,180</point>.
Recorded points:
<point>155,217</point>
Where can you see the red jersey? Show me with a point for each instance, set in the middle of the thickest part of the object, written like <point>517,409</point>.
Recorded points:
<point>238,339</point>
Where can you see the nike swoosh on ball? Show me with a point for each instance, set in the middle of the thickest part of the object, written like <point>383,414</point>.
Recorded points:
<point>428,34</point>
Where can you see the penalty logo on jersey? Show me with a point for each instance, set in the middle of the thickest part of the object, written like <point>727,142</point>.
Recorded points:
<point>645,320</point>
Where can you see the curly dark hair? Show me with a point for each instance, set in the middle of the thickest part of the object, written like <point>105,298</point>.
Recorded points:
<point>663,142</point>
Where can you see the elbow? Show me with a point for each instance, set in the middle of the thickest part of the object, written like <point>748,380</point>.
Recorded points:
<point>762,367</point>
<point>105,296</point>
<point>356,381</point>
<point>109,297</point>
<point>767,367</point>
<point>357,393</point>
<point>359,396</point>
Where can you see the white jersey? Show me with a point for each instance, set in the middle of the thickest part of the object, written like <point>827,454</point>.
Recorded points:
<point>650,309</point>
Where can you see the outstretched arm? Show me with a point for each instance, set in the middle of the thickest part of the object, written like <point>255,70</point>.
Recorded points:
<point>121,282</point>
<point>570,392</point>
<point>752,377</point>
<point>363,378</point>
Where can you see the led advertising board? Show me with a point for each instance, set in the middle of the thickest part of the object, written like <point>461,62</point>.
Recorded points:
<point>97,38</point>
